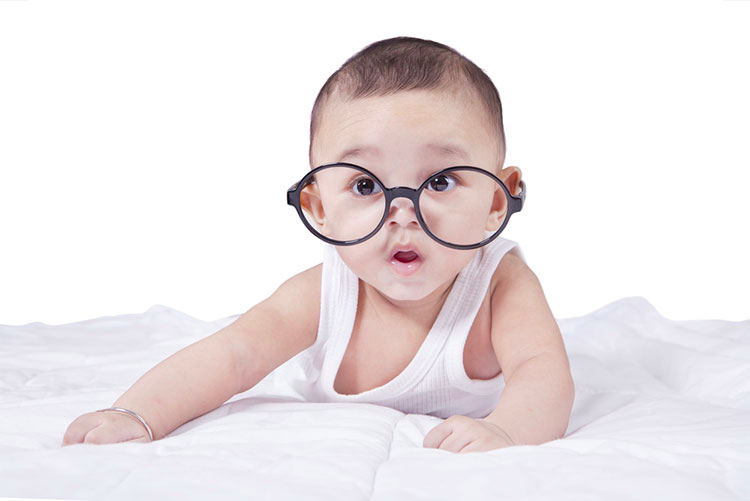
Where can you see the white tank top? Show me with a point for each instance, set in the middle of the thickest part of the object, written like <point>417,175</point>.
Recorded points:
<point>435,381</point>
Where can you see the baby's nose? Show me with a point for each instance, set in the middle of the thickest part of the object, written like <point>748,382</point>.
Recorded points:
<point>402,211</point>
<point>402,203</point>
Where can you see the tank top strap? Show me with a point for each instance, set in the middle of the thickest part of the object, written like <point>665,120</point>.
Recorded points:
<point>338,296</point>
<point>481,279</point>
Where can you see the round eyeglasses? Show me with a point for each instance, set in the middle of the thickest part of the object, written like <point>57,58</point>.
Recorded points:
<point>345,204</point>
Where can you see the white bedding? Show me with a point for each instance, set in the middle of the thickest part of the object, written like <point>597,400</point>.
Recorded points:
<point>662,411</point>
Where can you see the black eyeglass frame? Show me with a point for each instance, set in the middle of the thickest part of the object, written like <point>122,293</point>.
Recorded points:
<point>515,202</point>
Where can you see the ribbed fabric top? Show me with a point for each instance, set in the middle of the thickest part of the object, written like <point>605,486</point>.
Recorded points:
<point>435,381</point>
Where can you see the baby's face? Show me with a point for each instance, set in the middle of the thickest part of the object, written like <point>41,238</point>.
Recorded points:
<point>397,137</point>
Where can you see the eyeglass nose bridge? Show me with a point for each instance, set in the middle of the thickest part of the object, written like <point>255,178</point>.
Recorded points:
<point>402,192</point>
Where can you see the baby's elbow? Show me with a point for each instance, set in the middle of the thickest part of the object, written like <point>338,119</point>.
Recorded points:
<point>570,394</point>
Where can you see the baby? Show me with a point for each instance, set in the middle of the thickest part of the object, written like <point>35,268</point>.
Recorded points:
<point>418,304</point>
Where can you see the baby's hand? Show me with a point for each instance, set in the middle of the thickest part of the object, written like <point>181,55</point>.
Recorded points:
<point>104,428</point>
<point>464,434</point>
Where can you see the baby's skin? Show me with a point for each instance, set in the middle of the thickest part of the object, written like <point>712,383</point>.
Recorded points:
<point>401,138</point>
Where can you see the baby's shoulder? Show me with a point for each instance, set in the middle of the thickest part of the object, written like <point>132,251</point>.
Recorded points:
<point>511,267</point>
<point>299,296</point>
<point>307,282</point>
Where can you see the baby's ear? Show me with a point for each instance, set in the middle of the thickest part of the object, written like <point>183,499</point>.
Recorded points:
<point>311,205</point>
<point>511,176</point>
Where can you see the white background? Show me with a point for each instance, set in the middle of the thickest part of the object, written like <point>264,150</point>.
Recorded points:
<point>146,147</point>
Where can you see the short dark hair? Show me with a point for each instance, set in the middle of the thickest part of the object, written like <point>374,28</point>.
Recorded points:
<point>407,63</point>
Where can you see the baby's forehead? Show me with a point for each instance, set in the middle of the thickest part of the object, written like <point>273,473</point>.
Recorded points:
<point>421,110</point>
<point>446,97</point>
<point>418,118</point>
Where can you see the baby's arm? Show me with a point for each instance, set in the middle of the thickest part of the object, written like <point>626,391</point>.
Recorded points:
<point>536,403</point>
<point>202,376</point>
<point>189,383</point>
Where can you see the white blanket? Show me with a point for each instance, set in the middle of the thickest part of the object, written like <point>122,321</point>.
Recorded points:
<point>662,411</point>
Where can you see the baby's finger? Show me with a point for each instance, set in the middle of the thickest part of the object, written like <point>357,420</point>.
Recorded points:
<point>436,435</point>
<point>111,433</point>
<point>78,429</point>
<point>455,442</point>
<point>98,435</point>
<point>475,446</point>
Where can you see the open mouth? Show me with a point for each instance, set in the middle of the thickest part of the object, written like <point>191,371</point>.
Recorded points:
<point>405,257</point>
<point>406,262</point>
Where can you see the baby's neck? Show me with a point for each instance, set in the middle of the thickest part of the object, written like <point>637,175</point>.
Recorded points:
<point>422,312</point>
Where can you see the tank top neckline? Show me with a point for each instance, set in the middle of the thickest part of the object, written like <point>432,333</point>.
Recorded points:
<point>435,340</point>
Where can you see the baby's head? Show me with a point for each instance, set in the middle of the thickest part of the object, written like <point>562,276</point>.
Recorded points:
<point>405,108</point>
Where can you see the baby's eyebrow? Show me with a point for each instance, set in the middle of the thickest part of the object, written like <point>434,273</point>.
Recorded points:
<point>451,149</point>
<point>448,149</point>
<point>357,151</point>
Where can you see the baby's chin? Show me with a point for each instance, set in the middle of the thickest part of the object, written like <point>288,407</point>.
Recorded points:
<point>401,293</point>
<point>417,288</point>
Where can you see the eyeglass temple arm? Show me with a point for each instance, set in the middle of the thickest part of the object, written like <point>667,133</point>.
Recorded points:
<point>518,200</point>
<point>292,189</point>
<point>290,193</point>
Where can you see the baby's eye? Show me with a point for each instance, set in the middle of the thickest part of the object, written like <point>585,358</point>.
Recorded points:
<point>365,186</point>
<point>440,183</point>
